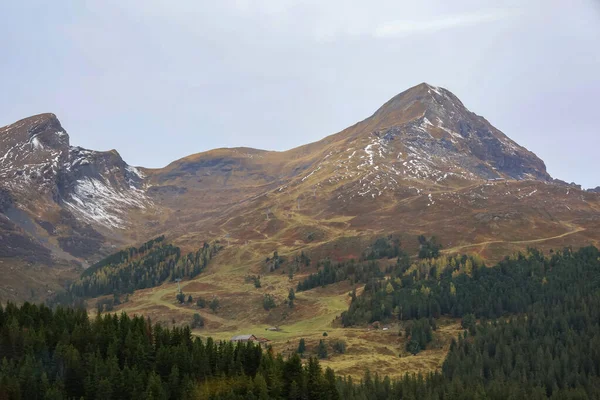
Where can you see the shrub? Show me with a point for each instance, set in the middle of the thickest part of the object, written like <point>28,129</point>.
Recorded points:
<point>339,346</point>
<point>197,321</point>
<point>268,302</point>
<point>214,304</point>
<point>201,302</point>
<point>413,347</point>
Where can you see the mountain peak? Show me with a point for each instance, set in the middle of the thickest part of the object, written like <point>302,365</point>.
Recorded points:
<point>414,103</point>
<point>421,92</point>
<point>34,120</point>
<point>38,132</point>
<point>430,128</point>
<point>37,162</point>
<point>424,86</point>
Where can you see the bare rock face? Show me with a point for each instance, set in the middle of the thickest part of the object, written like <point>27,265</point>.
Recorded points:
<point>436,121</point>
<point>47,132</point>
<point>61,198</point>
<point>38,162</point>
<point>6,200</point>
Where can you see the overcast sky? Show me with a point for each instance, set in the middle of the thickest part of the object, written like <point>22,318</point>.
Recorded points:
<point>159,80</point>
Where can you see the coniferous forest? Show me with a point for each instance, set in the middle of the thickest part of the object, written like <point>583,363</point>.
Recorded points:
<point>532,330</point>
<point>62,354</point>
<point>363,270</point>
<point>137,268</point>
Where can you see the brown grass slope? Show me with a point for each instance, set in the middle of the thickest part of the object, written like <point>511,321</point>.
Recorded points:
<point>332,197</point>
<point>422,163</point>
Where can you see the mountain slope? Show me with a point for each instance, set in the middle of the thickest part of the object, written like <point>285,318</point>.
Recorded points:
<point>397,152</point>
<point>422,163</point>
<point>59,203</point>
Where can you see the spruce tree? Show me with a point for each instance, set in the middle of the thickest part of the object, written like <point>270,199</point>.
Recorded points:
<point>301,347</point>
<point>322,349</point>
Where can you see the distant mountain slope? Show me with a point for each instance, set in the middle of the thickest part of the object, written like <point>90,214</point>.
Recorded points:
<point>422,163</point>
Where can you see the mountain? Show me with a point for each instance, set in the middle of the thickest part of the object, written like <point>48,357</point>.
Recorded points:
<point>422,163</point>
<point>59,203</point>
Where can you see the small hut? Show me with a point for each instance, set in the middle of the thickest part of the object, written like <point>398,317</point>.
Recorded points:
<point>244,338</point>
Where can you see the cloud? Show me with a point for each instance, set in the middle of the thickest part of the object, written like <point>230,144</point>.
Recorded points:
<point>432,25</point>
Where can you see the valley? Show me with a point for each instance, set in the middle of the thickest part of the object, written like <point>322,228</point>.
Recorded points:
<point>315,312</point>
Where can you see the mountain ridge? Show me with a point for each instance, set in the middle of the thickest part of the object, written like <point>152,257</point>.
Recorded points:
<point>386,109</point>
<point>422,158</point>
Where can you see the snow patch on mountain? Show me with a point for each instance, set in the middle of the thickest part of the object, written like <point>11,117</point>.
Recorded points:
<point>35,142</point>
<point>38,162</point>
<point>436,89</point>
<point>135,171</point>
<point>95,201</point>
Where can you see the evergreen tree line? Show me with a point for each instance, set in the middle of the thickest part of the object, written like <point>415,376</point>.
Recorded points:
<point>383,247</point>
<point>456,286</point>
<point>61,354</point>
<point>123,256</point>
<point>361,271</point>
<point>133,269</point>
<point>332,272</point>
<point>293,264</point>
<point>550,351</point>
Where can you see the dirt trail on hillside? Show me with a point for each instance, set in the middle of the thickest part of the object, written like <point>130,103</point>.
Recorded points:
<point>156,299</point>
<point>531,241</point>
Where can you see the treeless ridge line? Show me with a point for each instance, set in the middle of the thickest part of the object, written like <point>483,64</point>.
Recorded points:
<point>576,230</point>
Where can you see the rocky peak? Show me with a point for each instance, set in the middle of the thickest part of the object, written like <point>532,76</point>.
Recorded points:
<point>46,130</point>
<point>416,102</point>
<point>39,132</point>
<point>435,121</point>
<point>31,150</point>
<point>37,163</point>
<point>423,136</point>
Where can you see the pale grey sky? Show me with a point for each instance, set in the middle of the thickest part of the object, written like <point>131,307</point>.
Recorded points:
<point>159,80</point>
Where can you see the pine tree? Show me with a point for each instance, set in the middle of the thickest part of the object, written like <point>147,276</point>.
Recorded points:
<point>331,392</point>
<point>314,379</point>
<point>301,347</point>
<point>322,349</point>
<point>154,389</point>
<point>261,390</point>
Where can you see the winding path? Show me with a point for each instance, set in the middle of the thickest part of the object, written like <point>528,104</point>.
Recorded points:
<point>456,248</point>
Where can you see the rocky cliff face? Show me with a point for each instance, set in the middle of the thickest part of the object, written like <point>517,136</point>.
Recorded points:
<point>438,120</point>
<point>37,160</point>
<point>60,201</point>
